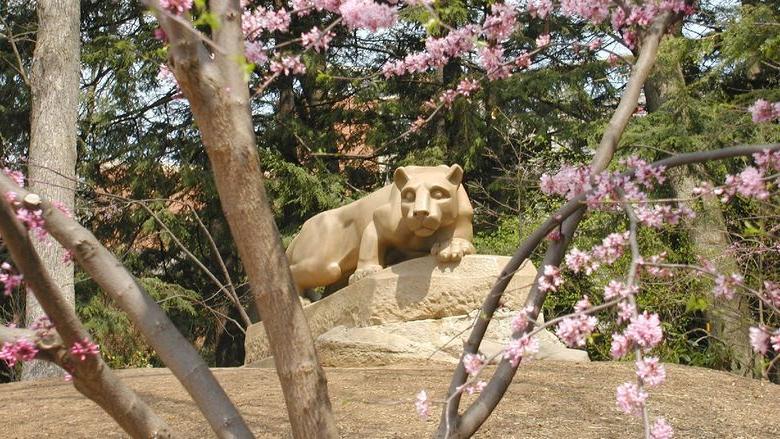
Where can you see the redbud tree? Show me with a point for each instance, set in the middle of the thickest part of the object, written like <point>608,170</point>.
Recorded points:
<point>224,54</point>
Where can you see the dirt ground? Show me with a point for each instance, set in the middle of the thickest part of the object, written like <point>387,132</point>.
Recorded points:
<point>547,400</point>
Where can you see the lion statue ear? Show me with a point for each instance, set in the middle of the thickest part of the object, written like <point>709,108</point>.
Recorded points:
<point>400,177</point>
<point>455,174</point>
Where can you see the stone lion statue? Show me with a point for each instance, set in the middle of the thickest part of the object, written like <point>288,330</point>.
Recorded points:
<point>424,211</point>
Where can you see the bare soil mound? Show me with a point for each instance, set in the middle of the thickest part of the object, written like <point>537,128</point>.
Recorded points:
<point>547,400</point>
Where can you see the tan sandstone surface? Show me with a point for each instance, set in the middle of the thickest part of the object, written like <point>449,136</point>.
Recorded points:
<point>547,399</point>
<point>416,310</point>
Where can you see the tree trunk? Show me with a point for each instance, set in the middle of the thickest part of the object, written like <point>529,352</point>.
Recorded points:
<point>219,97</point>
<point>730,318</point>
<point>54,80</point>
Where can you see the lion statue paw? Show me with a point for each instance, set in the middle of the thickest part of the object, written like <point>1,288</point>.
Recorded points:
<point>360,273</point>
<point>453,250</point>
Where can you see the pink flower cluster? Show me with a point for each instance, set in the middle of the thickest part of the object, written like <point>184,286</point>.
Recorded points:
<point>492,60</point>
<point>550,279</point>
<point>255,52</point>
<point>726,286</point>
<point>423,405</point>
<point>748,183</point>
<point>176,7</point>
<point>617,289</point>
<point>20,350</point>
<point>656,216</point>
<point>367,14</point>
<point>569,181</point>
<point>540,8</point>
<point>649,268</point>
<point>16,176</point>
<point>661,430</point>
<point>436,54</point>
<point>761,337</point>
<point>500,23</point>
<point>771,293</point>
<point>643,331</point>
<point>520,320</point>
<point>42,325</point>
<point>464,88</point>
<point>288,65</point>
<point>253,23</point>
<point>473,363</point>
<point>9,279</point>
<point>317,39</point>
<point>651,371</point>
<point>764,111</point>
<point>575,330</point>
<point>84,349</point>
<point>631,399</point>
<point>610,249</point>
<point>520,349</point>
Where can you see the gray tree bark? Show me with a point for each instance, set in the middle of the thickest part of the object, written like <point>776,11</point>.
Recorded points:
<point>730,318</point>
<point>54,82</point>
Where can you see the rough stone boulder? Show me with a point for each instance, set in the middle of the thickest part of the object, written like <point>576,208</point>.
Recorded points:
<point>406,312</point>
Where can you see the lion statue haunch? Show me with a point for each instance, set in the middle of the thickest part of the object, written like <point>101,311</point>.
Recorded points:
<point>425,210</point>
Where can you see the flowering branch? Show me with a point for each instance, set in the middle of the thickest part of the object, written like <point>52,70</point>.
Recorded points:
<point>91,376</point>
<point>177,353</point>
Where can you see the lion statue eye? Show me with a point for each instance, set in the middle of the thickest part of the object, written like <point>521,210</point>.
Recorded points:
<point>437,194</point>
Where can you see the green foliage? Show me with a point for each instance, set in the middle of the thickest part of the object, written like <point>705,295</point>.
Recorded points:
<point>121,344</point>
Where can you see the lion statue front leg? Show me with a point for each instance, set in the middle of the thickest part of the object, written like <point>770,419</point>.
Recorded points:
<point>452,250</point>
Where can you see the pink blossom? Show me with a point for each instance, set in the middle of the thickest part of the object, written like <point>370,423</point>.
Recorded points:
<point>520,320</point>
<point>42,325</point>
<point>629,38</point>
<point>317,39</point>
<point>68,377</point>
<point>492,60</point>
<point>523,60</point>
<point>595,45</point>
<point>626,310</point>
<point>67,257</point>
<point>255,53</point>
<point>327,5</point>
<point>288,65</point>
<point>759,339</point>
<point>33,220</point>
<point>618,289</point>
<point>611,247</point>
<point>645,330</point>
<point>652,270</point>
<point>83,349</point>
<point>542,40</point>
<point>644,172</point>
<point>767,161</point>
<point>764,111</point>
<point>540,8</point>
<point>177,7</point>
<point>367,14</point>
<point>661,430</point>
<point>551,279</point>
<point>651,371</point>
<point>500,23</point>
<point>423,405</point>
<point>569,181</point>
<point>9,279</point>
<point>478,387</point>
<point>772,293</point>
<point>775,341</point>
<point>577,260</point>
<point>612,59</point>
<point>20,350</point>
<point>16,176</point>
<point>621,345</point>
<point>618,18</point>
<point>520,349</point>
<point>467,86</point>
<point>574,331</point>
<point>160,35</point>
<point>473,363</point>
<point>631,399</point>
<point>725,287</point>
<point>595,11</point>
